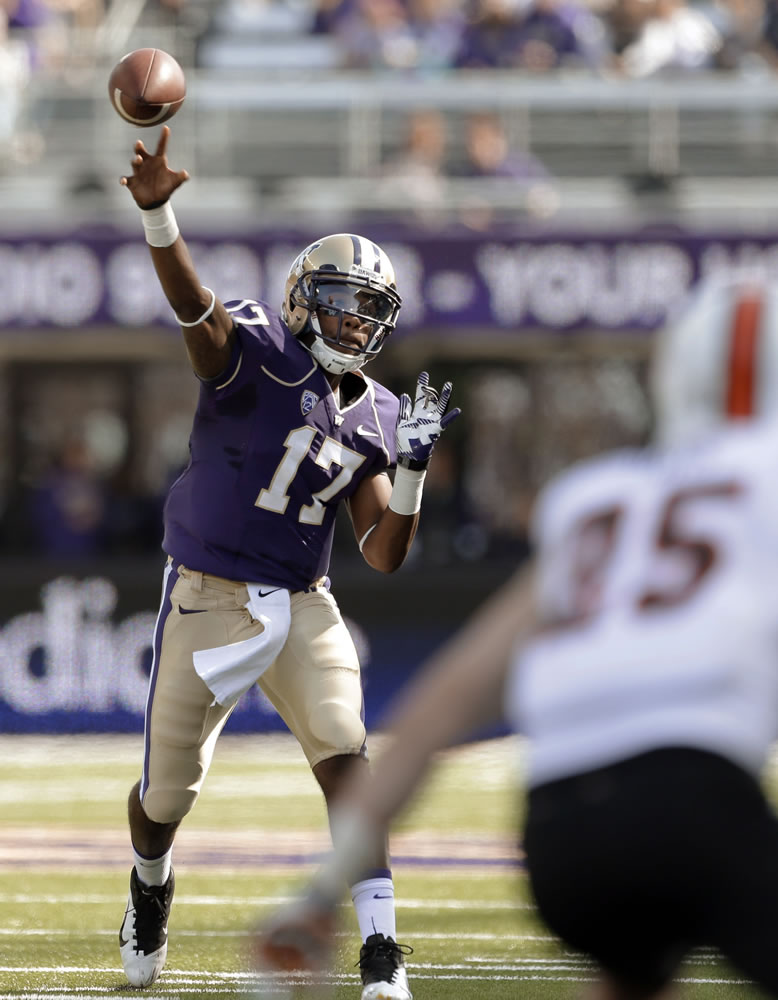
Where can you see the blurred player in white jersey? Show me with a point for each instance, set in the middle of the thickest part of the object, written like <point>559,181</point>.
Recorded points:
<point>640,656</point>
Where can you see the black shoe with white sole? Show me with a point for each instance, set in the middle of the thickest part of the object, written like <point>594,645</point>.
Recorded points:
<point>143,934</point>
<point>382,967</point>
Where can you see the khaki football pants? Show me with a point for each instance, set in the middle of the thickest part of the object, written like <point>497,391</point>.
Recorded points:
<point>314,684</point>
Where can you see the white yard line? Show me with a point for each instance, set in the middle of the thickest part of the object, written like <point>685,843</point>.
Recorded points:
<point>107,932</point>
<point>704,956</point>
<point>232,901</point>
<point>245,983</point>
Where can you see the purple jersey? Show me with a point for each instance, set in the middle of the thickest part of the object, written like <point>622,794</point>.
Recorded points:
<point>271,455</point>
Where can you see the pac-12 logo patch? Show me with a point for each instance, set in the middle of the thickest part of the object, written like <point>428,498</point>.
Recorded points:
<point>307,401</point>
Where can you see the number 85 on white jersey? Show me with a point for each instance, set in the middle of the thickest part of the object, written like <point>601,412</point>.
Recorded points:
<point>658,591</point>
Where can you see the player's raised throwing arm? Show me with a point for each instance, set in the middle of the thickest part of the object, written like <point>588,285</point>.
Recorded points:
<point>206,325</point>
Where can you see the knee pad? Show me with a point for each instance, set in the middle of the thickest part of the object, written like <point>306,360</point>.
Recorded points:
<point>163,805</point>
<point>336,724</point>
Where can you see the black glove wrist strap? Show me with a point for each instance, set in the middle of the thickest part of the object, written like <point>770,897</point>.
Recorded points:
<point>412,463</point>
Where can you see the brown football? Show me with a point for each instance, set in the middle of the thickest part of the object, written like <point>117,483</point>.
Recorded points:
<point>147,87</point>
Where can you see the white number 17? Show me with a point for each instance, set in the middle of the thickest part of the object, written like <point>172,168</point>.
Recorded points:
<point>297,444</point>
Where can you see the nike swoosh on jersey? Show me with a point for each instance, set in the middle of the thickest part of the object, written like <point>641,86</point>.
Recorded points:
<point>267,593</point>
<point>366,433</point>
<point>192,611</point>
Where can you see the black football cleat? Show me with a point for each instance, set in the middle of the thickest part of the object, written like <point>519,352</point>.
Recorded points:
<point>143,934</point>
<point>382,966</point>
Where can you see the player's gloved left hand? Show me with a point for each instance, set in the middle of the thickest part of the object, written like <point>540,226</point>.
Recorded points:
<point>420,425</point>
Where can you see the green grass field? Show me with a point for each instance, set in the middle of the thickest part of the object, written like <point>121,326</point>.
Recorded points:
<point>257,830</point>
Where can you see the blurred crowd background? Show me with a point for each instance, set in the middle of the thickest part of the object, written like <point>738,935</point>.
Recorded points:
<point>633,38</point>
<point>307,116</point>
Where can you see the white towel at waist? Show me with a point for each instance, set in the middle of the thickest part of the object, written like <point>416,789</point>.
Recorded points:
<point>229,671</point>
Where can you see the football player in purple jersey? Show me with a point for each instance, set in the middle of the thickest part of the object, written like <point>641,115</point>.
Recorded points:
<point>287,426</point>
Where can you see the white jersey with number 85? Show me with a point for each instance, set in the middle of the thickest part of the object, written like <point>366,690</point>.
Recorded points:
<point>658,596</point>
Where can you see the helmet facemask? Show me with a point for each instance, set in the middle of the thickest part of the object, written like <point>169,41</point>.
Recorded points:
<point>326,293</point>
<point>341,298</point>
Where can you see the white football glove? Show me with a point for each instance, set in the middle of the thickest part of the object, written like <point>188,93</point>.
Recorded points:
<point>419,426</point>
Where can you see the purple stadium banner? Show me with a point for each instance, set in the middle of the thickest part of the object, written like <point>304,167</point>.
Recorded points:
<point>456,281</point>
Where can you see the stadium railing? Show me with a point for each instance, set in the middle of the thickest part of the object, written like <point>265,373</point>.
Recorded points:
<point>251,137</point>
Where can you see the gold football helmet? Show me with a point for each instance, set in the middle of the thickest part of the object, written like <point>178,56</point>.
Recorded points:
<point>342,274</point>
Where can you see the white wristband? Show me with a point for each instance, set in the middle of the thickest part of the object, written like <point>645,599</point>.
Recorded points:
<point>205,315</point>
<point>160,225</point>
<point>407,489</point>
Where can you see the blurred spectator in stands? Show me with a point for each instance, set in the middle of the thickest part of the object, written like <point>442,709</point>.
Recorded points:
<point>533,35</point>
<point>675,38</point>
<point>767,45</point>
<point>168,13</point>
<point>740,24</point>
<point>81,14</point>
<point>15,66</point>
<point>437,26</point>
<point>624,21</point>
<point>60,34</point>
<point>26,14</point>
<point>30,23</point>
<point>489,154</point>
<point>327,15</point>
<point>68,506</point>
<point>416,176</point>
<point>394,34</point>
<point>375,34</point>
